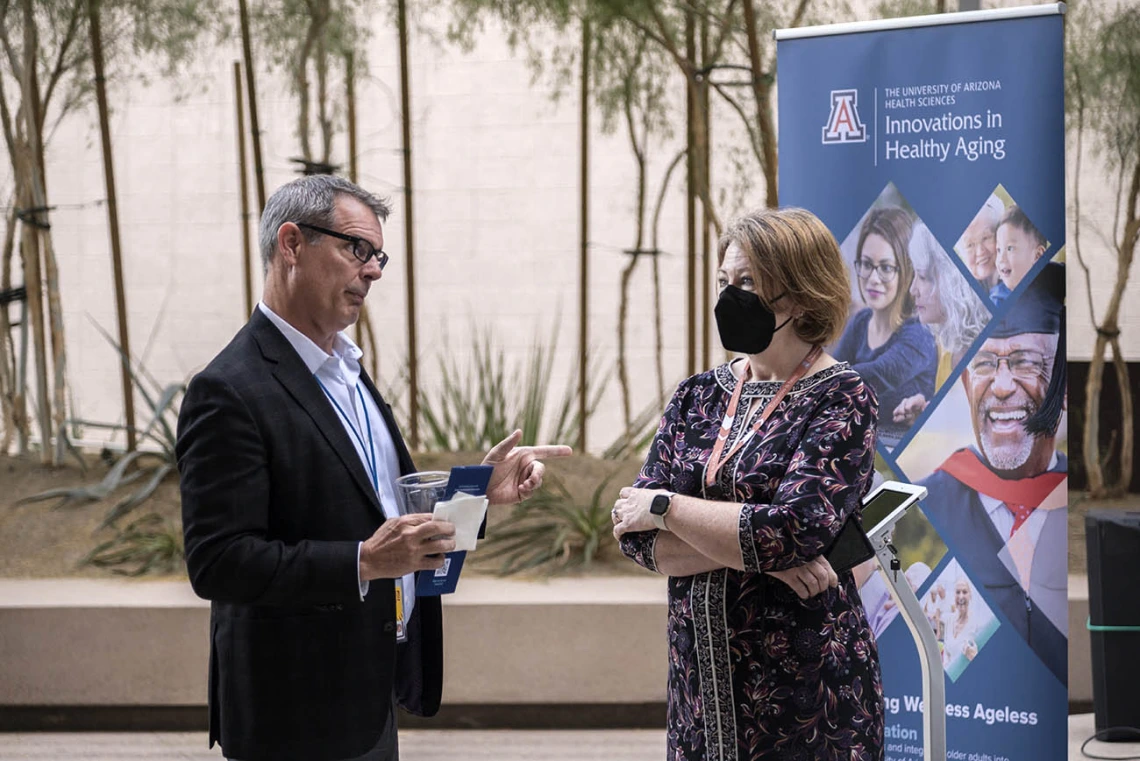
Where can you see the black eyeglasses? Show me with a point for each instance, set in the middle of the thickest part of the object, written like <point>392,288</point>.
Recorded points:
<point>886,270</point>
<point>361,249</point>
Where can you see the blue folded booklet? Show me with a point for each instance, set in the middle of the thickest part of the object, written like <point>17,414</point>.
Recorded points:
<point>469,479</point>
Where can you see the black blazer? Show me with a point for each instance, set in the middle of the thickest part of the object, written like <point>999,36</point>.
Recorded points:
<point>275,500</point>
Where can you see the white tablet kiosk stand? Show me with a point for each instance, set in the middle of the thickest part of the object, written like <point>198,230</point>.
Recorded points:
<point>933,679</point>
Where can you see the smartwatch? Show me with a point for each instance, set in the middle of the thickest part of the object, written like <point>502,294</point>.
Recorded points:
<point>659,508</point>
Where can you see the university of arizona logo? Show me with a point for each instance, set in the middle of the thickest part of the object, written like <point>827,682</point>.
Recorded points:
<point>843,123</point>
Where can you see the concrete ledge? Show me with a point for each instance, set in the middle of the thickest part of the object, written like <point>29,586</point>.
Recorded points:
<point>95,642</point>
<point>544,653</point>
<point>531,642</point>
<point>83,642</point>
<point>1080,646</point>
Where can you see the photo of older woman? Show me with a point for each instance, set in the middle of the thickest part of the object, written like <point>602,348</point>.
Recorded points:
<point>968,623</point>
<point>753,471</point>
<point>884,342</point>
<point>978,244</point>
<point>946,305</point>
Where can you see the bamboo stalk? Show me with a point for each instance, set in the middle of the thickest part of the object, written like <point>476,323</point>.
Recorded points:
<point>350,127</point>
<point>49,270</point>
<point>16,419</point>
<point>324,121</point>
<point>584,241</point>
<point>350,96</point>
<point>243,182</point>
<point>367,343</point>
<point>7,350</point>
<point>761,91</point>
<point>639,155</point>
<point>706,222</point>
<point>1124,478</point>
<point>19,403</point>
<point>409,226</point>
<point>1093,469</point>
<point>55,319</point>
<point>113,221</point>
<point>254,126</point>
<point>36,189</point>
<point>33,279</point>
<point>691,161</point>
<point>658,341</point>
<point>35,312</point>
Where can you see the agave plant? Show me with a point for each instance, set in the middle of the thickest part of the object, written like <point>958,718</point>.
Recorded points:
<point>637,437</point>
<point>116,477</point>
<point>479,403</point>
<point>150,466</point>
<point>149,542</point>
<point>551,531</point>
<point>468,411</point>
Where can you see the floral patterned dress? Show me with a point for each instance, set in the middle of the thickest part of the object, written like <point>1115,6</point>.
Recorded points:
<point>754,671</point>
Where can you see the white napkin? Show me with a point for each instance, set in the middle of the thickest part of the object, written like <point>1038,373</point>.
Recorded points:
<point>466,512</point>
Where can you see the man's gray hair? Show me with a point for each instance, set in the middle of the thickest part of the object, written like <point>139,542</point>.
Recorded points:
<point>311,200</point>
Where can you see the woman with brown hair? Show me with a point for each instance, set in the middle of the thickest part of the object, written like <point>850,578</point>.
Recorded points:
<point>754,469</point>
<point>885,343</point>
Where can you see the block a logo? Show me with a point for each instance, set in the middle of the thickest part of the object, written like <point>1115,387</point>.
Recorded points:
<point>843,123</point>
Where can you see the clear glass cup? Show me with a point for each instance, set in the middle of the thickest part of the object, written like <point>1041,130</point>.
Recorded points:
<point>418,492</point>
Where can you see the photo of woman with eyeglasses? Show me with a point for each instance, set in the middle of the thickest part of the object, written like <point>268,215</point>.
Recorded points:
<point>884,342</point>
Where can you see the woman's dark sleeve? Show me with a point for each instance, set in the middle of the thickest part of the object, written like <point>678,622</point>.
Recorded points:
<point>825,481</point>
<point>655,474</point>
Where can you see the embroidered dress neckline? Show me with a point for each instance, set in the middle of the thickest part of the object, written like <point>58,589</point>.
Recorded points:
<point>727,380</point>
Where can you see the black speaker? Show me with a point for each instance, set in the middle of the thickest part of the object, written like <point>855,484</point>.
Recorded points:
<point>1113,540</point>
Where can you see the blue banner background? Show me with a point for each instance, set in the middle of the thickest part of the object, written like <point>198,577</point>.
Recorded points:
<point>840,181</point>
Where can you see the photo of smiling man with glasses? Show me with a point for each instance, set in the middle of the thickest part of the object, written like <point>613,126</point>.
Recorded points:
<point>1002,503</point>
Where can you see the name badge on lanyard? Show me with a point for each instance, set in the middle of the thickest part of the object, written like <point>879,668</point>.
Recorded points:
<point>401,630</point>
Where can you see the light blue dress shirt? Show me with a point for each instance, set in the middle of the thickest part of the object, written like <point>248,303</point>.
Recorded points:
<point>339,374</point>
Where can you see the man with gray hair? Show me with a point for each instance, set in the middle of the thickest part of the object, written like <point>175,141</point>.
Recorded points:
<point>978,245</point>
<point>288,457</point>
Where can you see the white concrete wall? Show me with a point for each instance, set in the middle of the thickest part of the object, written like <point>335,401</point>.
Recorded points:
<point>496,214</point>
<point>496,174</point>
<point>1099,199</point>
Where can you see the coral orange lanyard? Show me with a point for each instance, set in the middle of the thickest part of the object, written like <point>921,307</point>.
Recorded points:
<point>716,460</point>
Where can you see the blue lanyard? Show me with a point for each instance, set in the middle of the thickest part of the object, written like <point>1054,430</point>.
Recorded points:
<point>371,461</point>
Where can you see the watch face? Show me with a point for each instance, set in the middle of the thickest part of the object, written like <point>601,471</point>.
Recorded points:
<point>659,505</point>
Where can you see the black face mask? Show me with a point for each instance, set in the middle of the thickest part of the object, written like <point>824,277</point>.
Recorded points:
<point>745,324</point>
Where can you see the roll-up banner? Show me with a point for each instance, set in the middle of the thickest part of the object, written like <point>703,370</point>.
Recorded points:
<point>933,148</point>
